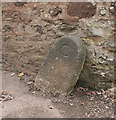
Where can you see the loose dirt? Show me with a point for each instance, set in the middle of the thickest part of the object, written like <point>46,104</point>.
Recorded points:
<point>19,99</point>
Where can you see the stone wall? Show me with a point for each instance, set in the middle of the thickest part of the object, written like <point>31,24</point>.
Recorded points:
<point>31,29</point>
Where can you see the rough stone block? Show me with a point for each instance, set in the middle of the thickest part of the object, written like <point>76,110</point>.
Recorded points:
<point>62,67</point>
<point>82,9</point>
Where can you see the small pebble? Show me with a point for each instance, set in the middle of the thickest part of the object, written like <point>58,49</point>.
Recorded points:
<point>87,93</point>
<point>105,96</point>
<point>29,83</point>
<point>71,104</point>
<point>99,93</point>
<point>107,107</point>
<point>82,103</point>
<point>102,12</point>
<point>33,92</point>
<point>4,93</point>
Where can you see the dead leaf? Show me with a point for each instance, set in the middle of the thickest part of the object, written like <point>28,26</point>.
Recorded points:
<point>4,93</point>
<point>21,74</point>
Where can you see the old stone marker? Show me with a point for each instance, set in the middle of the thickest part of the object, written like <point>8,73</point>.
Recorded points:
<point>62,67</point>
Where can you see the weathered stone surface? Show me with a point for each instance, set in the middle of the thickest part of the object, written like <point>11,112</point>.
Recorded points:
<point>102,11</point>
<point>81,9</point>
<point>98,70</point>
<point>61,69</point>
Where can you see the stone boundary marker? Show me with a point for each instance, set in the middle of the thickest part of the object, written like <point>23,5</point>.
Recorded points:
<point>62,67</point>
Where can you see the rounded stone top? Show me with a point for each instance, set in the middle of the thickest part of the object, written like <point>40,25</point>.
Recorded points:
<point>69,47</point>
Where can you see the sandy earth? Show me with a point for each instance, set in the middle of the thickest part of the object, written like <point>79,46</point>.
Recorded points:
<point>27,103</point>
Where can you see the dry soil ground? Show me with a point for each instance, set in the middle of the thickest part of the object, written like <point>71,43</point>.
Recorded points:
<point>20,100</point>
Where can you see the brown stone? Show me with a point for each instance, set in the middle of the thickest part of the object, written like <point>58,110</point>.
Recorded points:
<point>81,9</point>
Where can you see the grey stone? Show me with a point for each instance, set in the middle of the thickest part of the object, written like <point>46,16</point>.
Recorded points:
<point>62,67</point>
<point>98,70</point>
<point>81,9</point>
<point>55,11</point>
<point>7,28</point>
